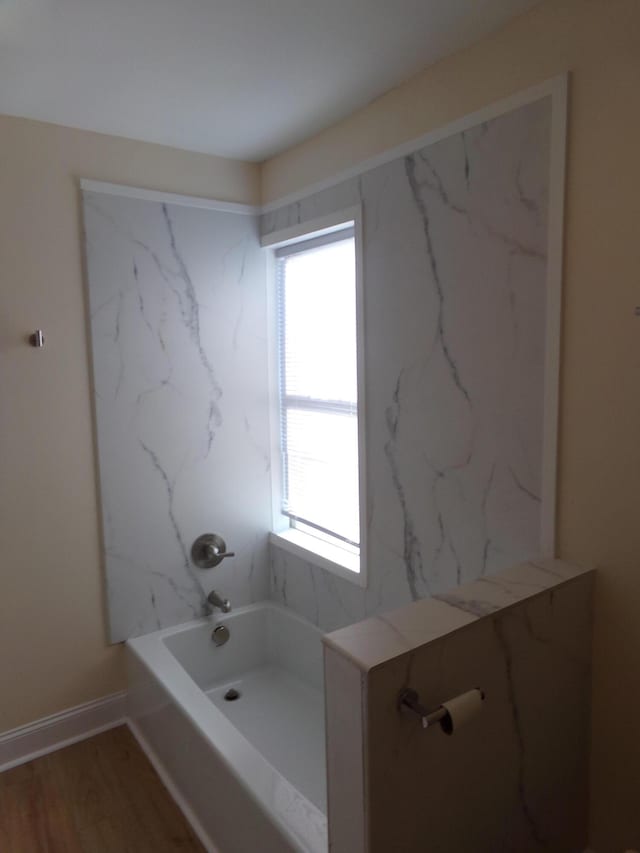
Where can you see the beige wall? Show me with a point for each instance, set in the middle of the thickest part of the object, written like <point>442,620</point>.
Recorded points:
<point>599,486</point>
<point>53,652</point>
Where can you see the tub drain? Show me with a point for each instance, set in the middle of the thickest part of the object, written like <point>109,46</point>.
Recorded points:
<point>232,694</point>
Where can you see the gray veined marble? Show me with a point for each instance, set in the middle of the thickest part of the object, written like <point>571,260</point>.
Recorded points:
<point>455,271</point>
<point>515,778</point>
<point>455,243</point>
<point>177,301</point>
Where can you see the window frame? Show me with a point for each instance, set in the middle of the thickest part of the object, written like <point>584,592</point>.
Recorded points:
<point>326,554</point>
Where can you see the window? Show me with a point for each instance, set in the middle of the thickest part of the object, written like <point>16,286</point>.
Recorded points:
<point>317,322</point>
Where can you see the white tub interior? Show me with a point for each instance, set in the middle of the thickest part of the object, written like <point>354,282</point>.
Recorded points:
<point>275,664</point>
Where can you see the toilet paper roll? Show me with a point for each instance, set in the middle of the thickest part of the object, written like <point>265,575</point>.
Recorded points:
<point>461,709</point>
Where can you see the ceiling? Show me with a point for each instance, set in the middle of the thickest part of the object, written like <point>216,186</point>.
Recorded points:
<point>238,78</point>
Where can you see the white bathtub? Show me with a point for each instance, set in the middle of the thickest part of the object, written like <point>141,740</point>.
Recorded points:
<point>251,771</point>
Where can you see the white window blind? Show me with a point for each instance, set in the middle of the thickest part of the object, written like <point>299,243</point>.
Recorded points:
<point>316,302</point>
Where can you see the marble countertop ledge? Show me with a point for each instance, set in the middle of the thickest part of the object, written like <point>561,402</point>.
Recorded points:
<point>380,638</point>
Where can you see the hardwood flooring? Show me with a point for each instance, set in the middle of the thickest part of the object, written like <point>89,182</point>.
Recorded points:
<point>97,796</point>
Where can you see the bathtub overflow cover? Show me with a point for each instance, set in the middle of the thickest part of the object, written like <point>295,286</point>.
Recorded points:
<point>220,635</point>
<point>232,694</point>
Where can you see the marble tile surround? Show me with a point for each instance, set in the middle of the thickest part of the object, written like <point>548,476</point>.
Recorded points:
<point>455,264</point>
<point>455,242</point>
<point>177,298</point>
<point>515,778</point>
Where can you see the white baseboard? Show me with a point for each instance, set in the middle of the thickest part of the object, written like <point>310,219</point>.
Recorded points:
<point>171,787</point>
<point>48,734</point>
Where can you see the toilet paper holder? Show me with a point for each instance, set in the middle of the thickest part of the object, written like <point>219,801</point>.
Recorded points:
<point>410,699</point>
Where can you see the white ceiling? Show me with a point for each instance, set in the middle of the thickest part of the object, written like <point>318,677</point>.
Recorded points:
<point>240,78</point>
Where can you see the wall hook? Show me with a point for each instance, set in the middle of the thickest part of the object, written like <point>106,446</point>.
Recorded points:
<point>37,338</point>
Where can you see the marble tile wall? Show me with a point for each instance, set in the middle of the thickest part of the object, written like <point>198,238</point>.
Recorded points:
<point>455,242</point>
<point>177,299</point>
<point>455,265</point>
<point>515,777</point>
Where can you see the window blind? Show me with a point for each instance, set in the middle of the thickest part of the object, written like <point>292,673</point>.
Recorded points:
<point>316,308</point>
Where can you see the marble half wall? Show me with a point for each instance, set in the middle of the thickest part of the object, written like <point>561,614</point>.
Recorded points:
<point>455,262</point>
<point>515,778</point>
<point>177,299</point>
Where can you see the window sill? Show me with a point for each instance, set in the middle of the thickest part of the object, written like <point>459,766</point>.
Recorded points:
<point>330,557</point>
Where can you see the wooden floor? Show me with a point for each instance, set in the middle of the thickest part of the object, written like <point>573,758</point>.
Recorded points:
<point>98,796</point>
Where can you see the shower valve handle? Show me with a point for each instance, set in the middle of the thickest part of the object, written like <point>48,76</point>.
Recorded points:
<point>209,550</point>
<point>212,552</point>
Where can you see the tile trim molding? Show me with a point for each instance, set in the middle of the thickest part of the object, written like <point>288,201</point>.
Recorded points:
<point>554,87</point>
<point>48,734</point>
<point>89,185</point>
